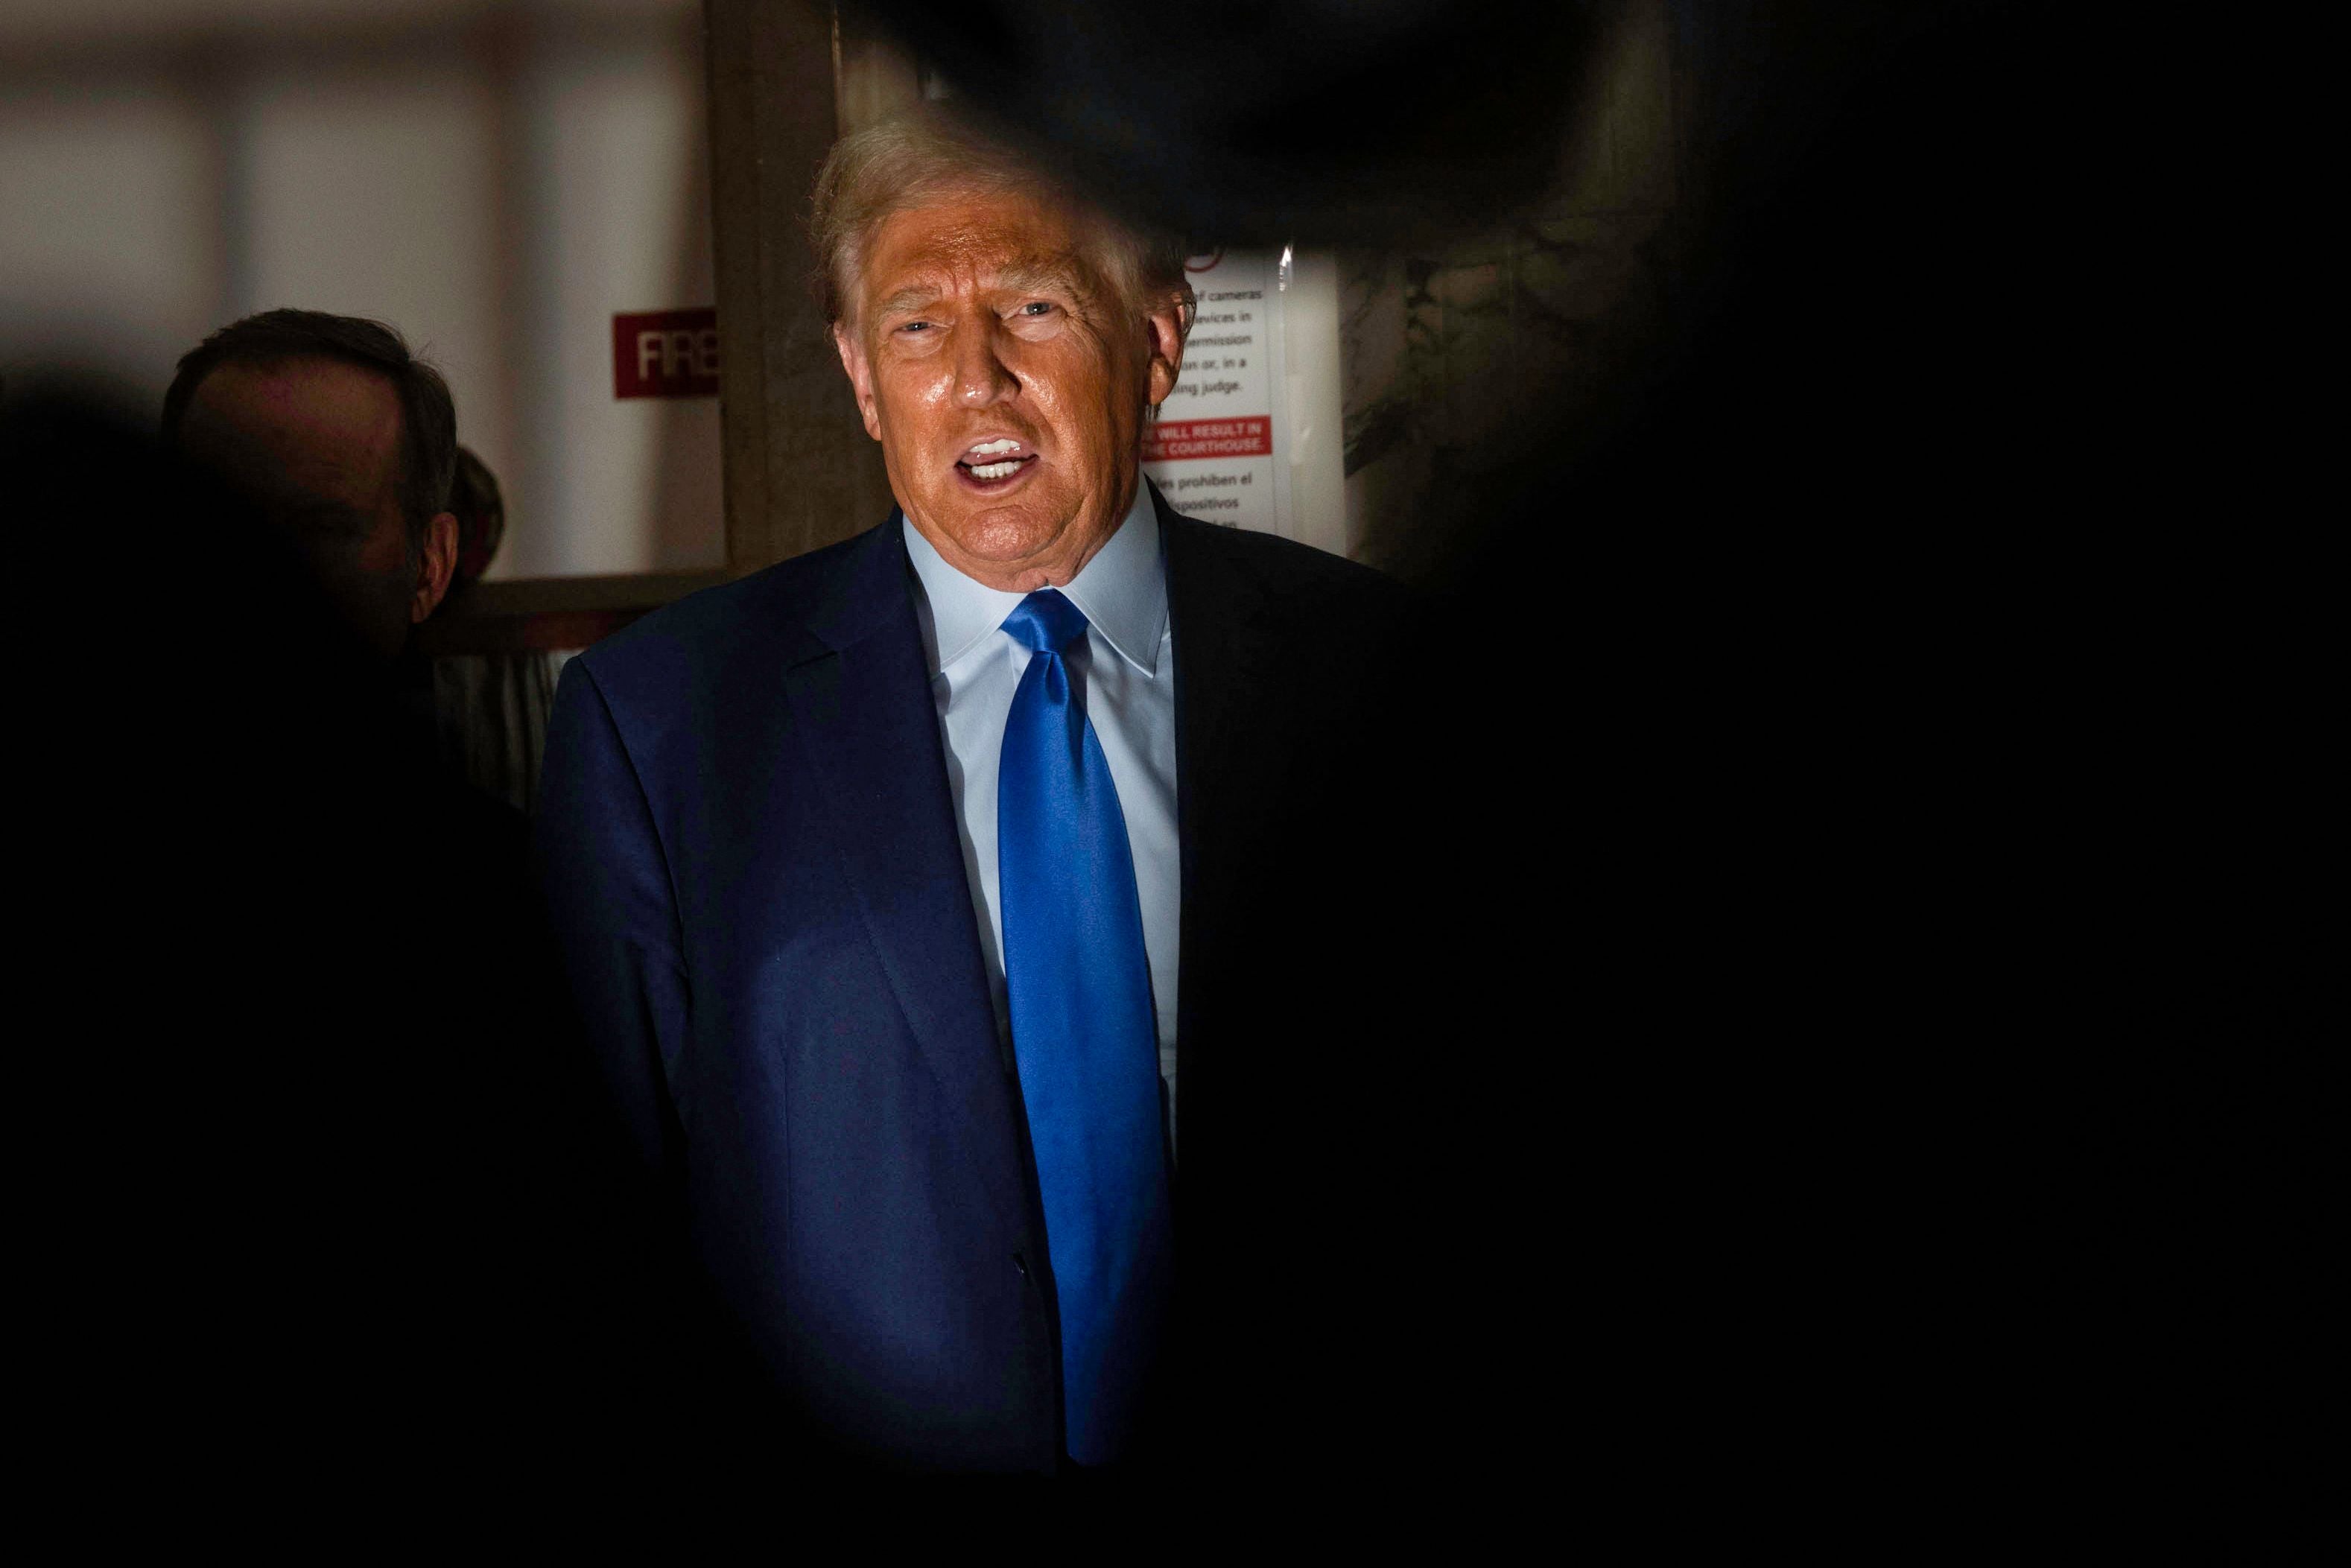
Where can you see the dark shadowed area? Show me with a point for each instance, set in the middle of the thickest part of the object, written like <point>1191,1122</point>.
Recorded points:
<point>1741,1023</point>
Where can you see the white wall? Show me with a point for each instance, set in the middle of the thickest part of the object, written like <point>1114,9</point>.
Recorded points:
<point>371,193</point>
<point>624,226</point>
<point>496,180</point>
<point>1311,404</point>
<point>108,252</point>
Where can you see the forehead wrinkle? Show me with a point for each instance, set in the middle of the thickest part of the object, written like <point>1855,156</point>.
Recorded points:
<point>997,241</point>
<point>978,259</point>
<point>1040,276</point>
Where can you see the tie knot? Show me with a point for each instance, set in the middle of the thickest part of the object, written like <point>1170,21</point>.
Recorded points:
<point>1045,622</point>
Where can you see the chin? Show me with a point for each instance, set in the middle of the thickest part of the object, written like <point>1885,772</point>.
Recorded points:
<point>996,537</point>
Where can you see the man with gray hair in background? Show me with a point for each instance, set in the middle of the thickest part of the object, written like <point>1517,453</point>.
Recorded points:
<point>899,884</point>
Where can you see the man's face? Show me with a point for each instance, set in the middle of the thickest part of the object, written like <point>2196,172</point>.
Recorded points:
<point>1006,381</point>
<point>316,445</point>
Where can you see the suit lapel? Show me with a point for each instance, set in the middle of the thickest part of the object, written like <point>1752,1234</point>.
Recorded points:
<point>1225,651</point>
<point>865,710</point>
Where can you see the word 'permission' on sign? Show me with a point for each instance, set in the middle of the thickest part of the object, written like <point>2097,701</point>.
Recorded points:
<point>665,353</point>
<point>1171,439</point>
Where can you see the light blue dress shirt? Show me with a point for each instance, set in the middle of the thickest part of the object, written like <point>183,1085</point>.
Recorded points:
<point>1126,675</point>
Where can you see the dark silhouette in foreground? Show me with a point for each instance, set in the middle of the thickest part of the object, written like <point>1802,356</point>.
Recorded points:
<point>312,1195</point>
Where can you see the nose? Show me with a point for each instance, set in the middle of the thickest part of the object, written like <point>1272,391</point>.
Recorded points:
<point>981,375</point>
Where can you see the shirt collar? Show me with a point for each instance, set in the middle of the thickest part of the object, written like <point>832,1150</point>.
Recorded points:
<point>1122,591</point>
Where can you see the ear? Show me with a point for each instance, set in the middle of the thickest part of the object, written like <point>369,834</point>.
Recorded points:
<point>860,371</point>
<point>440,559</point>
<point>1165,324</point>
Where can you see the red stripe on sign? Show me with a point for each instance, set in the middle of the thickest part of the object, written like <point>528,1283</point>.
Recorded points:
<point>1174,440</point>
<point>665,353</point>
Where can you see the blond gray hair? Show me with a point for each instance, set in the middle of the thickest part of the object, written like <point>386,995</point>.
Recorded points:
<point>925,154</point>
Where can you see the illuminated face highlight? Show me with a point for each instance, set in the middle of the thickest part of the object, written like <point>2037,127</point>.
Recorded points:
<point>1006,381</point>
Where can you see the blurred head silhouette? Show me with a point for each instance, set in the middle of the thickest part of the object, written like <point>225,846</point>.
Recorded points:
<point>481,511</point>
<point>339,437</point>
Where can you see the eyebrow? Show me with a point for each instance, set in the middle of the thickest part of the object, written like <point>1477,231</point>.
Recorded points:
<point>913,298</point>
<point>1038,278</point>
<point>1024,277</point>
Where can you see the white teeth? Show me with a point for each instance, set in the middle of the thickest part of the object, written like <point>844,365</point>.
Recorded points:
<point>994,470</point>
<point>990,448</point>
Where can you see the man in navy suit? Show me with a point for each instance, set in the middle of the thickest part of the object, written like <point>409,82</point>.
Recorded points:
<point>898,1040</point>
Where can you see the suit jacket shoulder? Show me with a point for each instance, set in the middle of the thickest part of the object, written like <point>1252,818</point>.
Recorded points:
<point>1263,624</point>
<point>795,609</point>
<point>1298,577</point>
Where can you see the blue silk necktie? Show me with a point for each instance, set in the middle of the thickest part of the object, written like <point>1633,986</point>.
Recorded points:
<point>1083,1032</point>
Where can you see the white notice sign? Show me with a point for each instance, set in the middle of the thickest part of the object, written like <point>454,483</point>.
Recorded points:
<point>1216,450</point>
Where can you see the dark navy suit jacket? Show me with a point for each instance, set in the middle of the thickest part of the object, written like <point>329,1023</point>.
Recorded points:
<point>750,846</point>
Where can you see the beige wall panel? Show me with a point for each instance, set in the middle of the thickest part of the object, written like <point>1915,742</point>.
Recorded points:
<point>622,223</point>
<point>372,193</point>
<point>109,254</point>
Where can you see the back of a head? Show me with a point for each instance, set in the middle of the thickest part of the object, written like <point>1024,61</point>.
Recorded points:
<point>428,414</point>
<point>481,512</point>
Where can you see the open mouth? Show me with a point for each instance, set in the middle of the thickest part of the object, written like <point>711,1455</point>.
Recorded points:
<point>992,465</point>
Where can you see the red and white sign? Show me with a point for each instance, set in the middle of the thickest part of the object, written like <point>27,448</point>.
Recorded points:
<point>1174,440</point>
<point>665,353</point>
<point>1214,450</point>
<point>1249,434</point>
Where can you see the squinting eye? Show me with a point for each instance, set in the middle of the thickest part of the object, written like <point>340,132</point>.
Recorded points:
<point>1036,308</point>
